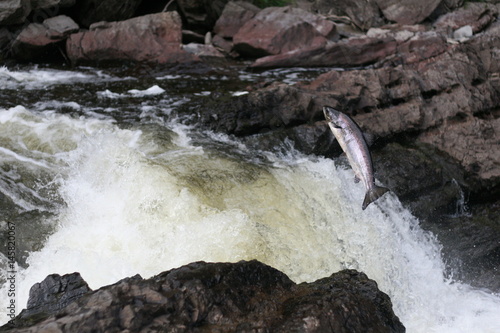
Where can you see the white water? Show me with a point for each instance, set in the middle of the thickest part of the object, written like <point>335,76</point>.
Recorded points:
<point>146,200</point>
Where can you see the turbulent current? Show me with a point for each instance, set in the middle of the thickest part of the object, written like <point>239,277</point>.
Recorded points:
<point>99,176</point>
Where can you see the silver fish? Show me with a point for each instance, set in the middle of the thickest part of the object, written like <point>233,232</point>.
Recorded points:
<point>353,143</point>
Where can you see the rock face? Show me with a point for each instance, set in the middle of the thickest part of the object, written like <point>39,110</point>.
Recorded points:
<point>154,38</point>
<point>202,297</point>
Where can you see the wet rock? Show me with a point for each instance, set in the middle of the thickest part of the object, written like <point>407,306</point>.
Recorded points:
<point>407,11</point>
<point>154,38</point>
<point>87,12</point>
<point>41,42</point>
<point>276,30</point>
<point>222,297</point>
<point>54,293</point>
<point>470,243</point>
<point>234,16</point>
<point>14,11</point>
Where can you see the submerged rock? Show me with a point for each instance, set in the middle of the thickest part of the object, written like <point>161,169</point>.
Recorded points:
<point>201,297</point>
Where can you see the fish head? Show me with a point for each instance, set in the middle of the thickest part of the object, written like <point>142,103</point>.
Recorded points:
<point>332,115</point>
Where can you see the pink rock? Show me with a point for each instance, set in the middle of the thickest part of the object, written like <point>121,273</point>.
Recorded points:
<point>348,52</point>
<point>153,38</point>
<point>276,30</point>
<point>234,16</point>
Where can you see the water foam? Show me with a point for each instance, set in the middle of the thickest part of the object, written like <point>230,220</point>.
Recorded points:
<point>144,201</point>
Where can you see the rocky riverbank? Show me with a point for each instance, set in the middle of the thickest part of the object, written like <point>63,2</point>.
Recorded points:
<point>425,83</point>
<point>203,297</point>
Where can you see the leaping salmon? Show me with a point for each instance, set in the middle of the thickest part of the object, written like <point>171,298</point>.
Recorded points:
<point>354,145</point>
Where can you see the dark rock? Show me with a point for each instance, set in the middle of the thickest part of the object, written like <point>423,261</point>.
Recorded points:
<point>223,297</point>
<point>86,12</point>
<point>154,38</point>
<point>14,11</point>
<point>44,4</point>
<point>276,30</point>
<point>54,293</point>
<point>470,243</point>
<point>39,42</point>
<point>407,11</point>
<point>234,16</point>
<point>189,36</point>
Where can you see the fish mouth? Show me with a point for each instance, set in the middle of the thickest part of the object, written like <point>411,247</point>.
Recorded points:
<point>330,113</point>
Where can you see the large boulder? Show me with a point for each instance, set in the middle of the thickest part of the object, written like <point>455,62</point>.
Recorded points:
<point>202,297</point>
<point>154,38</point>
<point>276,30</point>
<point>14,11</point>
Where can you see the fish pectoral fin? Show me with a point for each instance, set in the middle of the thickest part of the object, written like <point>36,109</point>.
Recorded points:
<point>332,124</point>
<point>373,194</point>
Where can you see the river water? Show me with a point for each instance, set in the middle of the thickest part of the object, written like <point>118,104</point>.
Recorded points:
<point>100,175</point>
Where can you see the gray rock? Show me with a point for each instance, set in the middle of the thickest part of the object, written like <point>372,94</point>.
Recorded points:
<point>407,11</point>
<point>14,11</point>
<point>60,27</point>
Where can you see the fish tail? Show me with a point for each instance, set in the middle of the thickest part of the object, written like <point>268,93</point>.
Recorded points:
<point>373,194</point>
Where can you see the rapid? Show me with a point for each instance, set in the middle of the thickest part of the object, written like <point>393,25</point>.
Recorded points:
<point>101,176</point>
